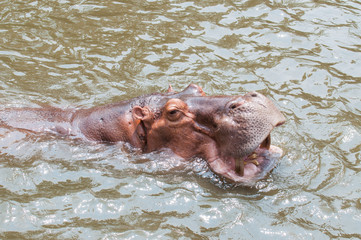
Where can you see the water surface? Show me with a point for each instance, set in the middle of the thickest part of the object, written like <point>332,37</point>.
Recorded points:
<point>304,55</point>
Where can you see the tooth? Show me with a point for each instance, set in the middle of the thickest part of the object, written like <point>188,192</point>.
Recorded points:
<point>254,161</point>
<point>252,156</point>
<point>267,142</point>
<point>240,166</point>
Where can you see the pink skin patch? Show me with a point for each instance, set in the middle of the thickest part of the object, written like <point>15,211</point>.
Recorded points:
<point>256,167</point>
<point>266,159</point>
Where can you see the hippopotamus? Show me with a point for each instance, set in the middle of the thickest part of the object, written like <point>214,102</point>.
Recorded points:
<point>232,133</point>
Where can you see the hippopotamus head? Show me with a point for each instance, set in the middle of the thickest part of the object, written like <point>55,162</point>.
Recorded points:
<point>231,132</point>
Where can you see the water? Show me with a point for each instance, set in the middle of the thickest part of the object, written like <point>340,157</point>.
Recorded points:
<point>305,55</point>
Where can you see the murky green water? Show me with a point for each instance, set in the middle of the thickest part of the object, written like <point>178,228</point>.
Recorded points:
<point>305,55</point>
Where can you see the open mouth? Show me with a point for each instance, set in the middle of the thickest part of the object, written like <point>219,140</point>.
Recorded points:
<point>255,157</point>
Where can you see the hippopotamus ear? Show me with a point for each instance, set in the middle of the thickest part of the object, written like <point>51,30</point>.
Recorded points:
<point>143,114</point>
<point>170,89</point>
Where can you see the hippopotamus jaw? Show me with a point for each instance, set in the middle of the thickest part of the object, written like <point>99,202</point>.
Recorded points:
<point>241,131</point>
<point>245,169</point>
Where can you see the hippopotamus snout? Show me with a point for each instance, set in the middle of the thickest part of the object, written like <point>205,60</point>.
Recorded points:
<point>246,122</point>
<point>245,126</point>
<point>257,106</point>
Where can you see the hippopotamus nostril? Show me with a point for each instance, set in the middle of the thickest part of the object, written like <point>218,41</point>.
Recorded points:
<point>233,106</point>
<point>254,94</point>
<point>236,104</point>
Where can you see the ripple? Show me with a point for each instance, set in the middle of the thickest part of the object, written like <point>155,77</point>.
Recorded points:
<point>303,55</point>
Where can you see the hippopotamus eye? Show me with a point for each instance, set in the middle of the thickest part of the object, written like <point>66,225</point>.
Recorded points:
<point>174,109</point>
<point>174,114</point>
